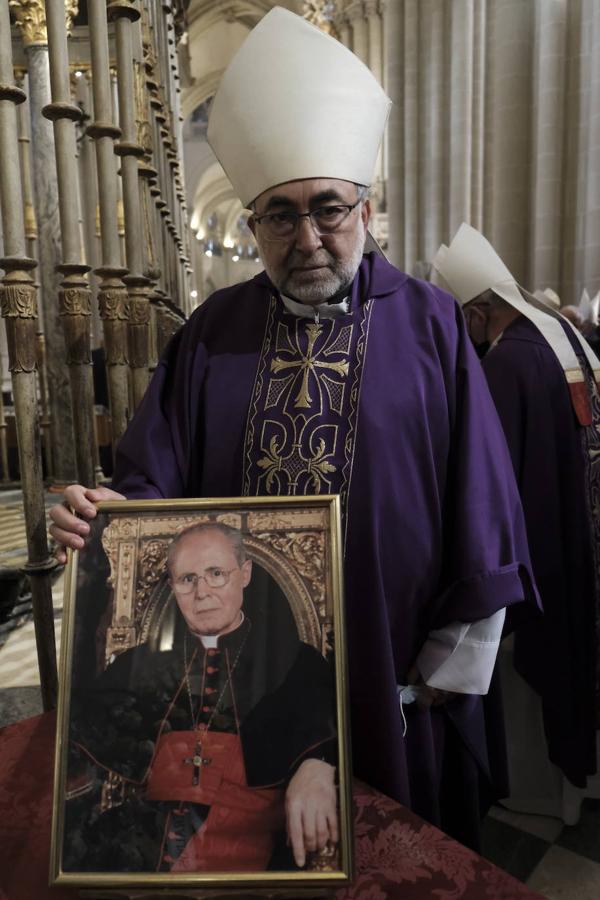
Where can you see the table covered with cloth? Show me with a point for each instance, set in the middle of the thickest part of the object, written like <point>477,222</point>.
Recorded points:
<point>398,855</point>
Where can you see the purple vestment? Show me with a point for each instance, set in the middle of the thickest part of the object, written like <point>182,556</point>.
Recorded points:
<point>557,464</point>
<point>433,528</point>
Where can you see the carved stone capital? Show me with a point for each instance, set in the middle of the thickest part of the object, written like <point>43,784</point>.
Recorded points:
<point>18,301</point>
<point>113,304</point>
<point>30,17</point>
<point>138,306</point>
<point>322,14</point>
<point>139,309</point>
<point>19,309</point>
<point>372,8</point>
<point>75,301</point>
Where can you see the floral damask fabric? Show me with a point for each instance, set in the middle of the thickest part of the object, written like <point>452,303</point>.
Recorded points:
<point>398,855</point>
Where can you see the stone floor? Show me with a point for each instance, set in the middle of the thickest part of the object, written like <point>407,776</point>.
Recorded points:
<point>560,862</point>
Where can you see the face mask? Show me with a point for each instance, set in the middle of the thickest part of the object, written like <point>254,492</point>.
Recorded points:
<point>407,693</point>
<point>476,317</point>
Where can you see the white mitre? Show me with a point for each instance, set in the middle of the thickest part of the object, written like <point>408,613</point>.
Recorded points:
<point>595,304</point>
<point>548,297</point>
<point>470,266</point>
<point>585,306</point>
<point>295,103</point>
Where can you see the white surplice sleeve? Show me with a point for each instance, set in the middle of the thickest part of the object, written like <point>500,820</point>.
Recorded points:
<point>460,657</point>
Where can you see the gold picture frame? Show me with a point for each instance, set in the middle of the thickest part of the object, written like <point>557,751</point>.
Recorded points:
<point>139,800</point>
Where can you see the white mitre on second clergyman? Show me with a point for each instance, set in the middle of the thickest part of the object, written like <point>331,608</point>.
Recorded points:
<point>585,307</point>
<point>548,297</point>
<point>470,266</point>
<point>295,103</point>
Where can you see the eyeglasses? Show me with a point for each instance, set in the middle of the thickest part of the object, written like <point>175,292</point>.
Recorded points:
<point>215,577</point>
<point>280,226</point>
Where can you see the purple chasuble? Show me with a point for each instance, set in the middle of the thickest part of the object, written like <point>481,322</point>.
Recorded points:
<point>557,464</point>
<point>387,405</point>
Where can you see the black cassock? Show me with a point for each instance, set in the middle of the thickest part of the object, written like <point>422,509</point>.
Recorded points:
<point>158,737</point>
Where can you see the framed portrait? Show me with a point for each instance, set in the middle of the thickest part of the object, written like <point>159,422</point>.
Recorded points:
<point>202,737</point>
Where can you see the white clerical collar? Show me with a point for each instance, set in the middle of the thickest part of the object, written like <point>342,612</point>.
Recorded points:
<point>321,311</point>
<point>211,641</point>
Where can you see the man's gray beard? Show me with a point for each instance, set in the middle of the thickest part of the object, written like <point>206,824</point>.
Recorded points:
<point>339,276</point>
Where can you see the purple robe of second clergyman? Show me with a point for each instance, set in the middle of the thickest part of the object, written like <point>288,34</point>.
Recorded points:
<point>407,434</point>
<point>557,464</point>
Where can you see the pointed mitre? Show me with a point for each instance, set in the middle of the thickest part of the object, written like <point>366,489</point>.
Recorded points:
<point>595,302</point>
<point>548,297</point>
<point>295,103</point>
<point>585,306</point>
<point>470,266</point>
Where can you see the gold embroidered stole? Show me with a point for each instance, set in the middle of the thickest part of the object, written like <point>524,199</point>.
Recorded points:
<point>301,424</point>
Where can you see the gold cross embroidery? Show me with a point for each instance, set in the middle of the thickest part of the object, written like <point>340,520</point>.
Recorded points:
<point>307,364</point>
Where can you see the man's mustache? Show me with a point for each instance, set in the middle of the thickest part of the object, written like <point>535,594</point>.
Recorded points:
<point>298,261</point>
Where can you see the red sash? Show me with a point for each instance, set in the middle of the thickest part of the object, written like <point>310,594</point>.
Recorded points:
<point>239,832</point>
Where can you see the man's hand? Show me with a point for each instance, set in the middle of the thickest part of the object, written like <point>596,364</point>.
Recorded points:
<point>67,528</point>
<point>428,696</point>
<point>311,808</point>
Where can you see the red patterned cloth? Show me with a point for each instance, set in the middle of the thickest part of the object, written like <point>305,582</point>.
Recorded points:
<point>398,854</point>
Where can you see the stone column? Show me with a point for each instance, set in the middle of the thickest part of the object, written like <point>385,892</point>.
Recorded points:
<point>4,375</point>
<point>394,33</point>
<point>508,147</point>
<point>342,25</point>
<point>74,294</point>
<point>548,150</point>
<point>31,235</point>
<point>112,294</point>
<point>25,154</point>
<point>31,20</point>
<point>88,193</point>
<point>432,137</point>
<point>18,304</point>
<point>411,131</point>
<point>125,14</point>
<point>478,109</point>
<point>375,38</point>
<point>360,36</point>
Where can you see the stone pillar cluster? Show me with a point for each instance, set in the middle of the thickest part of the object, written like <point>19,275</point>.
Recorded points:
<point>90,184</point>
<point>105,212</point>
<point>74,293</point>
<point>359,25</point>
<point>494,123</point>
<point>18,304</point>
<point>30,18</point>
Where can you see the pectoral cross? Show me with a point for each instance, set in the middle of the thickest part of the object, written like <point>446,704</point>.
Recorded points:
<point>197,761</point>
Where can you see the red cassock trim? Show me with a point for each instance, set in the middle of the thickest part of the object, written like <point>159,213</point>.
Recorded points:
<point>581,402</point>
<point>240,829</point>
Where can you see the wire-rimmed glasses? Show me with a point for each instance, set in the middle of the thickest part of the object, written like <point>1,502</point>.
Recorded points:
<point>280,226</point>
<point>214,577</point>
